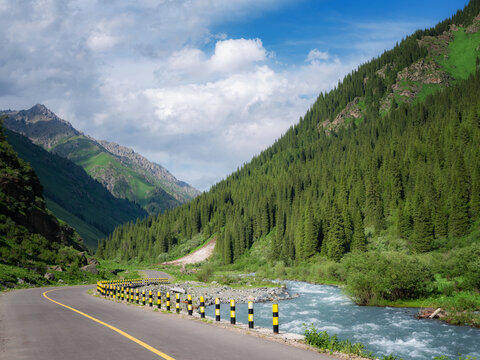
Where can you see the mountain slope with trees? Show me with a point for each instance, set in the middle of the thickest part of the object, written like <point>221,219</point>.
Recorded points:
<point>399,178</point>
<point>72,195</point>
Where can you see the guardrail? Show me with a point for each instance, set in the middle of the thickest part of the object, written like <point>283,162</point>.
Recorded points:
<point>127,290</point>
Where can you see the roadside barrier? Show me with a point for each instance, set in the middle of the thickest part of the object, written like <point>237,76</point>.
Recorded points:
<point>232,312</point>
<point>202,307</point>
<point>275,318</point>
<point>189,305</point>
<point>217,309</point>
<point>127,290</point>
<point>250,314</point>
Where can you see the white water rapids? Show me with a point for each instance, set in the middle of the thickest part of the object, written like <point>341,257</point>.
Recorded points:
<point>383,330</point>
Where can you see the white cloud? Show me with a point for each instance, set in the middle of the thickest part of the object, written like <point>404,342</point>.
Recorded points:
<point>235,55</point>
<point>316,55</point>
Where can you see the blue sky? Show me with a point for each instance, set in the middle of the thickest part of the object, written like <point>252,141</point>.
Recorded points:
<point>198,86</point>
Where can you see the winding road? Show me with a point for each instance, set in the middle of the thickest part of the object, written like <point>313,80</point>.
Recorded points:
<point>68,323</point>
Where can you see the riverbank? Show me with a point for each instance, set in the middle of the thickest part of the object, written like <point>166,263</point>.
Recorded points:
<point>225,293</point>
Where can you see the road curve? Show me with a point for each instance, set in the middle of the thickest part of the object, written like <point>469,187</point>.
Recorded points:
<point>34,327</point>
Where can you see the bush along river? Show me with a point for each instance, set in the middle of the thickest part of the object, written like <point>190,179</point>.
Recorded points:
<point>384,330</point>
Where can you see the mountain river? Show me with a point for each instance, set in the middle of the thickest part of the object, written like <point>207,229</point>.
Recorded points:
<point>384,330</point>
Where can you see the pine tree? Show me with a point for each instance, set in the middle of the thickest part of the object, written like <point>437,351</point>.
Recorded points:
<point>310,241</point>
<point>359,241</point>
<point>336,242</point>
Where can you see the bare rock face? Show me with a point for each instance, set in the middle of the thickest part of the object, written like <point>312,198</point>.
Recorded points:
<point>129,157</point>
<point>475,27</point>
<point>351,111</point>
<point>427,72</point>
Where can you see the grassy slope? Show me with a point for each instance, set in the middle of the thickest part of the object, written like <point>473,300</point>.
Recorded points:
<point>131,184</point>
<point>89,233</point>
<point>462,55</point>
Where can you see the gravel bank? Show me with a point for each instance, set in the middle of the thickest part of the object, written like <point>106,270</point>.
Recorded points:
<point>225,293</point>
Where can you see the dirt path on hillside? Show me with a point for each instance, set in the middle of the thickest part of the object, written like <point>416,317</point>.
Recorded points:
<point>200,255</point>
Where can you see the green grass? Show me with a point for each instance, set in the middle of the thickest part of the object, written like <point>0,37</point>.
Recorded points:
<point>137,184</point>
<point>462,55</point>
<point>427,89</point>
<point>89,233</point>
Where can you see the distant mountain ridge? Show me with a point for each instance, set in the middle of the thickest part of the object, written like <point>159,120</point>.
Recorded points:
<point>125,173</point>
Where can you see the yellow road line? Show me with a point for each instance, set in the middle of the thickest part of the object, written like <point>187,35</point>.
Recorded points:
<point>128,336</point>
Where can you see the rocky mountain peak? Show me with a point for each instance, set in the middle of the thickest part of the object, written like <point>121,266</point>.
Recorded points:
<point>40,124</point>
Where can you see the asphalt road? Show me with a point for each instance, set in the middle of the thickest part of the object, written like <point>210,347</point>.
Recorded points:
<point>34,327</point>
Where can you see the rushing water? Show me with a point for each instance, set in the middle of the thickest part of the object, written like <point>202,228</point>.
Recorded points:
<point>383,330</point>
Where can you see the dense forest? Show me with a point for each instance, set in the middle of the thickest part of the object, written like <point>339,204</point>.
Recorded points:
<point>406,179</point>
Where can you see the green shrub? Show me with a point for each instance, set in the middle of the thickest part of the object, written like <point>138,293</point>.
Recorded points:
<point>389,276</point>
<point>326,342</point>
<point>205,273</point>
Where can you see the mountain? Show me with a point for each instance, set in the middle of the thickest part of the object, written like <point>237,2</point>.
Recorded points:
<point>31,239</point>
<point>126,174</point>
<point>72,195</point>
<point>383,172</point>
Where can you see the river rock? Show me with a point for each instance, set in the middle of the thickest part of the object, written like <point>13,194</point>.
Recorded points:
<point>178,290</point>
<point>49,276</point>
<point>92,268</point>
<point>93,261</point>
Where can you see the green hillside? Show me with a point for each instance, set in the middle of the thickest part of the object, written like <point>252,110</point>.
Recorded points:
<point>383,172</point>
<point>72,195</point>
<point>122,180</point>
<point>31,239</point>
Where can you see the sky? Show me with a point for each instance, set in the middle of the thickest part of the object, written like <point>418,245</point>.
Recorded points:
<point>197,86</point>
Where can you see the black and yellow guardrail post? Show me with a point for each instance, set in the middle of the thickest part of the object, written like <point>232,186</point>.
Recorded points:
<point>127,294</point>
<point>217,309</point>
<point>232,312</point>
<point>189,305</point>
<point>137,297</point>
<point>177,303</point>
<point>250,314</point>
<point>143,297</point>
<point>275,318</point>
<point>168,301</point>
<point>159,300</point>
<point>132,295</point>
<point>150,298</point>
<point>202,307</point>
<point>123,293</point>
